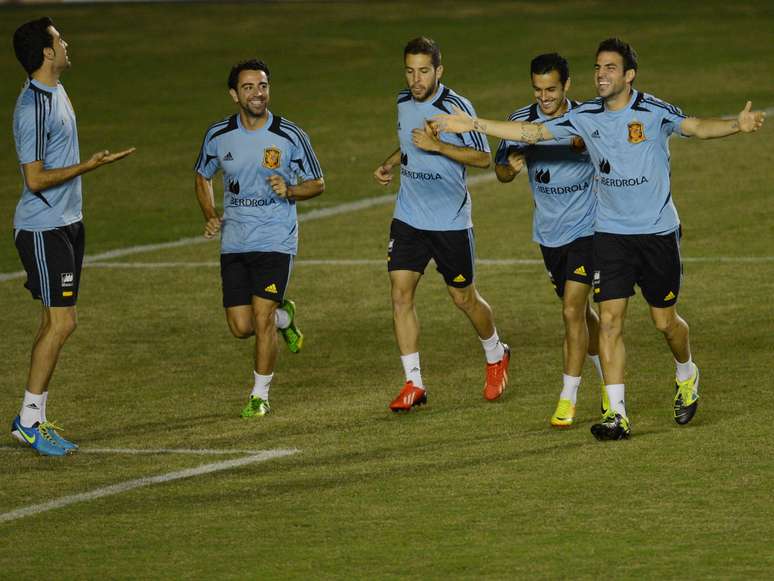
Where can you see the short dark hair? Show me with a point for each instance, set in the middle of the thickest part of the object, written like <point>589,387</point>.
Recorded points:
<point>249,65</point>
<point>424,45</point>
<point>552,61</point>
<point>626,51</point>
<point>29,40</point>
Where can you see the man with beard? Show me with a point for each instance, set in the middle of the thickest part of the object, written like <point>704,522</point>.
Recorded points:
<point>561,177</point>
<point>432,219</point>
<point>48,223</point>
<point>268,165</point>
<point>637,231</point>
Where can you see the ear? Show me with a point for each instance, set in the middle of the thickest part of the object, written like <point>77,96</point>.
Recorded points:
<point>629,76</point>
<point>48,53</point>
<point>440,71</point>
<point>567,84</point>
<point>234,95</point>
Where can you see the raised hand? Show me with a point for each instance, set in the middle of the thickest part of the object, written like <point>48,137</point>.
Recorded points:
<point>750,120</point>
<point>458,122</point>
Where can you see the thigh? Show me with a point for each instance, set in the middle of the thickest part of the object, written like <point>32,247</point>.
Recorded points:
<point>615,266</point>
<point>49,259</point>
<point>407,249</point>
<point>662,269</point>
<point>454,253</point>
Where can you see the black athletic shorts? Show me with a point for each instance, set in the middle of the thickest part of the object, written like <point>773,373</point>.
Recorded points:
<point>573,261</point>
<point>452,250</point>
<point>263,274</point>
<point>652,261</point>
<point>53,260</point>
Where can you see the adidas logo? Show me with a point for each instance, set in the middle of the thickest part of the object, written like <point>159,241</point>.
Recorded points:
<point>459,278</point>
<point>581,271</point>
<point>272,288</point>
<point>32,406</point>
<point>228,157</point>
<point>670,296</point>
<point>596,133</point>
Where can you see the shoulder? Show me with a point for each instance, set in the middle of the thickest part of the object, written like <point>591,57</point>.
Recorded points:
<point>403,96</point>
<point>221,127</point>
<point>592,107</point>
<point>647,102</point>
<point>527,113</point>
<point>449,97</point>
<point>287,129</point>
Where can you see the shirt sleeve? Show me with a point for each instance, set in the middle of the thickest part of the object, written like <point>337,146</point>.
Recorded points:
<point>564,126</point>
<point>30,133</point>
<point>207,164</point>
<point>671,116</point>
<point>303,160</point>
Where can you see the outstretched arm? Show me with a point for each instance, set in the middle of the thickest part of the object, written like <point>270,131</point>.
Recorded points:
<point>427,139</point>
<point>708,128</point>
<point>38,178</point>
<point>460,122</point>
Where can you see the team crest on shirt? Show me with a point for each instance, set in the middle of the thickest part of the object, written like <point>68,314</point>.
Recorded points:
<point>636,132</point>
<point>271,157</point>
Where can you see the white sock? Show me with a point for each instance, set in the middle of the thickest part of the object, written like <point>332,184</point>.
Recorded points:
<point>684,370</point>
<point>615,393</point>
<point>281,319</point>
<point>43,408</point>
<point>598,364</point>
<point>493,348</point>
<point>30,410</point>
<point>262,385</point>
<point>570,389</point>
<point>411,369</point>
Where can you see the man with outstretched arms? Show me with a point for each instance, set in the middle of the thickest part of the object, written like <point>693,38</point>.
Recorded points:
<point>432,219</point>
<point>268,165</point>
<point>562,178</point>
<point>637,231</point>
<point>48,223</point>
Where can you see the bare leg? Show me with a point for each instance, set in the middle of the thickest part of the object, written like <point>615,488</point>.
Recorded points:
<point>404,315</point>
<point>612,351</point>
<point>675,331</point>
<point>265,335</point>
<point>475,308</point>
<point>56,325</point>
<point>576,334</point>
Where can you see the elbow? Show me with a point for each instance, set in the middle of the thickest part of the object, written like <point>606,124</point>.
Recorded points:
<point>320,186</point>
<point>503,175</point>
<point>33,184</point>
<point>483,162</point>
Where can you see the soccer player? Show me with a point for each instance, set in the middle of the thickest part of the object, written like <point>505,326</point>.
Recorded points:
<point>268,165</point>
<point>48,226</point>
<point>562,178</point>
<point>637,231</point>
<point>432,219</point>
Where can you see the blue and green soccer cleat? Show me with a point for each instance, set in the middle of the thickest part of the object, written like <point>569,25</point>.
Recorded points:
<point>292,335</point>
<point>51,428</point>
<point>36,437</point>
<point>256,407</point>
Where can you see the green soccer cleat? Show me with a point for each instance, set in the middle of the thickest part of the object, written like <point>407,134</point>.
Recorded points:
<point>613,426</point>
<point>292,335</point>
<point>256,407</point>
<point>564,415</point>
<point>686,398</point>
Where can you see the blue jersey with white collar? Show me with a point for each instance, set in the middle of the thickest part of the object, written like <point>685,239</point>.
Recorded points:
<point>255,219</point>
<point>561,176</point>
<point>433,193</point>
<point>630,151</point>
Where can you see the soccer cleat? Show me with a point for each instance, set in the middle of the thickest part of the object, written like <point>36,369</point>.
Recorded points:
<point>256,407</point>
<point>613,426</point>
<point>292,335</point>
<point>686,398</point>
<point>37,438</point>
<point>564,414</point>
<point>605,405</point>
<point>409,397</point>
<point>51,428</point>
<point>497,376</point>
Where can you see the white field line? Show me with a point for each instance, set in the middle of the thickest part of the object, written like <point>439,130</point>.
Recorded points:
<point>148,451</point>
<point>122,487</point>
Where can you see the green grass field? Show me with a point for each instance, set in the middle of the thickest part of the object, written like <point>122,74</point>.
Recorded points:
<point>461,488</point>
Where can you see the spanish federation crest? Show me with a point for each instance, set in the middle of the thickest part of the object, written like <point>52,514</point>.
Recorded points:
<point>636,132</point>
<point>271,157</point>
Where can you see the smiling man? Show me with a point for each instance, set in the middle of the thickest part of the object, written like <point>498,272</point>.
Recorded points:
<point>268,165</point>
<point>561,177</point>
<point>432,219</point>
<point>637,231</point>
<point>48,223</point>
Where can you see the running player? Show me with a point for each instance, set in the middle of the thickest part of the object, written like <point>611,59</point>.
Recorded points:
<point>432,219</point>
<point>268,165</point>
<point>561,177</point>
<point>48,223</point>
<point>637,231</point>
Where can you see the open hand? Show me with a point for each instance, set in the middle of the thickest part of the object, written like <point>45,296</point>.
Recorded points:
<point>749,120</point>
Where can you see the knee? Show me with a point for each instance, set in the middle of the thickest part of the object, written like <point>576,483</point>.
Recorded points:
<point>464,300</point>
<point>402,300</point>
<point>62,327</point>
<point>240,330</point>
<point>610,324</point>
<point>666,325</point>
<point>264,321</point>
<point>573,313</point>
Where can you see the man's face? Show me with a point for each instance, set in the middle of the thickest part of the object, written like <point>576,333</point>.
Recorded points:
<point>59,47</point>
<point>421,76</point>
<point>252,93</point>
<point>549,92</point>
<point>609,75</point>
